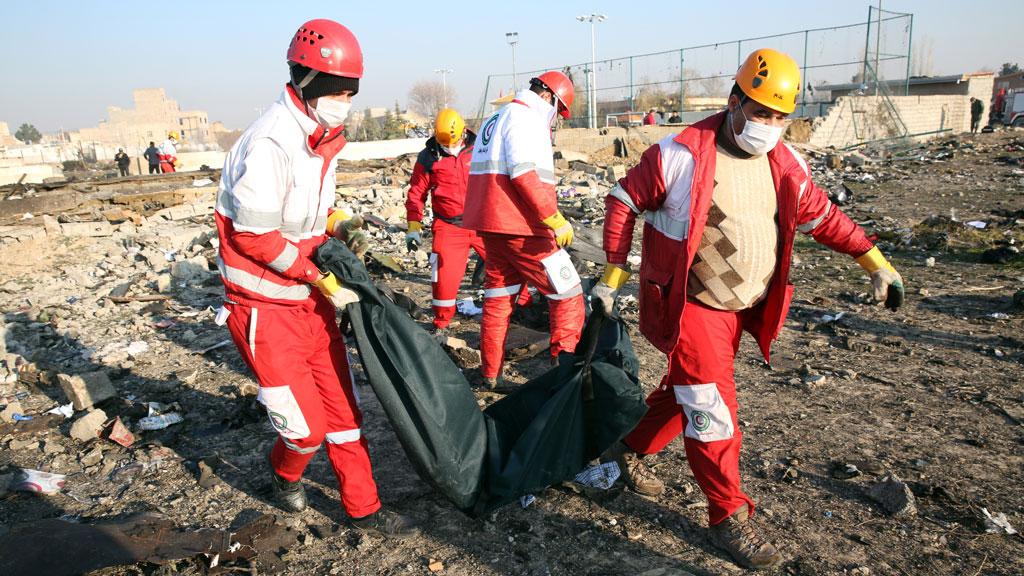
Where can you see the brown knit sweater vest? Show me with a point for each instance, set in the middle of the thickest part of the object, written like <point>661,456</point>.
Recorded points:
<point>738,251</point>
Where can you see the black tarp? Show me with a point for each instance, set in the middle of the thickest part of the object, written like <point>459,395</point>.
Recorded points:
<point>543,433</point>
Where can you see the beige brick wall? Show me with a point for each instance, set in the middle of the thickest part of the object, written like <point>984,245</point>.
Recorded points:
<point>858,119</point>
<point>588,141</point>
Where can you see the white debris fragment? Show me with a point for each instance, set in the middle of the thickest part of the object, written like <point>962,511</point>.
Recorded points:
<point>997,523</point>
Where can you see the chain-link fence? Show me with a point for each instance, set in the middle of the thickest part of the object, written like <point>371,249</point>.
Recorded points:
<point>692,81</point>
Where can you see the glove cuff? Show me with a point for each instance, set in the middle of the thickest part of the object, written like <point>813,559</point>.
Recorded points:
<point>872,261</point>
<point>555,221</point>
<point>335,218</point>
<point>614,276</point>
<point>415,226</point>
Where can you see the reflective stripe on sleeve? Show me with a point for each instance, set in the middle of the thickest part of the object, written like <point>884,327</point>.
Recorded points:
<point>286,258</point>
<point>262,286</point>
<point>809,227</point>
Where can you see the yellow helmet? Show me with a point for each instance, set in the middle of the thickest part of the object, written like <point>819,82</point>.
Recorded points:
<point>771,78</point>
<point>449,127</point>
<point>174,134</point>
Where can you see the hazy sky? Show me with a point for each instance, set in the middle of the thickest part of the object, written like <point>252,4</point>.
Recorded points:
<point>66,61</point>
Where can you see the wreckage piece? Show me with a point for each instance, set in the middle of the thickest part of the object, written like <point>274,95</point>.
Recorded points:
<point>54,547</point>
<point>542,434</point>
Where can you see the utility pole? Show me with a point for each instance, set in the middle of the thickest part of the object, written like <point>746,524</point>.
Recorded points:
<point>444,72</point>
<point>592,103</point>
<point>513,38</point>
<point>878,44</point>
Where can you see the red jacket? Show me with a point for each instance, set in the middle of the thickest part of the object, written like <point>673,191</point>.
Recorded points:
<point>444,177</point>
<point>276,190</point>
<point>672,186</point>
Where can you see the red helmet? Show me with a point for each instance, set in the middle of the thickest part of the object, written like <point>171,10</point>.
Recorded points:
<point>561,86</point>
<point>328,47</point>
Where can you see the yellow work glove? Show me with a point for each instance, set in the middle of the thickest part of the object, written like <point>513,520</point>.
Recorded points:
<point>330,287</point>
<point>603,293</point>
<point>413,238</point>
<point>886,282</point>
<point>344,227</point>
<point>562,228</point>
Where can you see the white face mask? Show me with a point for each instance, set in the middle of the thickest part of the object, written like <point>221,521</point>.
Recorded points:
<point>757,138</point>
<point>331,113</point>
<point>454,151</point>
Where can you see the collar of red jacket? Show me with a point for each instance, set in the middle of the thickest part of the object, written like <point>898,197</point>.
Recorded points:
<point>320,142</point>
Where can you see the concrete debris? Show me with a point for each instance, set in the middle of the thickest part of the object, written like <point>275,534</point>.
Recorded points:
<point>136,305</point>
<point>894,495</point>
<point>89,425</point>
<point>10,411</point>
<point>85,390</point>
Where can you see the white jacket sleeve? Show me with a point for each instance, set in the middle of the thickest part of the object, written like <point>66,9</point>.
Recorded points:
<point>257,197</point>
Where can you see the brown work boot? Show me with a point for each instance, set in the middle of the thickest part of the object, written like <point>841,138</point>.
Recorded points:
<point>638,476</point>
<point>738,536</point>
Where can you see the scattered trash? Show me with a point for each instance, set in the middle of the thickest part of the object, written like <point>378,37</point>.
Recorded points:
<point>825,319</point>
<point>601,476</point>
<point>977,224</point>
<point>85,547</point>
<point>159,422</point>
<point>28,480</point>
<point>120,434</point>
<point>202,182</point>
<point>526,500</point>
<point>65,410</point>
<point>467,307</point>
<point>999,316</point>
<point>997,523</point>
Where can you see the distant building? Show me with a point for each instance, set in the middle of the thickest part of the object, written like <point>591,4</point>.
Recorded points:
<point>153,116</point>
<point>977,84</point>
<point>1009,82</point>
<point>6,139</point>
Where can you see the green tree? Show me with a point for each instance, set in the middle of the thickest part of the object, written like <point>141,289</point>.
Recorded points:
<point>28,134</point>
<point>1009,68</point>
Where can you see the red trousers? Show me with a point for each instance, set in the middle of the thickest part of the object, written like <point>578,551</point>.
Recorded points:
<point>166,163</point>
<point>298,356</point>
<point>512,263</point>
<point>448,259</point>
<point>698,398</point>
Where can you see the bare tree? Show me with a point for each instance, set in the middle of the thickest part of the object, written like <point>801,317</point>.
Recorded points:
<point>922,57</point>
<point>713,86</point>
<point>427,97</point>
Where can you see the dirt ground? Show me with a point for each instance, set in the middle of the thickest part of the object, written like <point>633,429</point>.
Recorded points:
<point>932,393</point>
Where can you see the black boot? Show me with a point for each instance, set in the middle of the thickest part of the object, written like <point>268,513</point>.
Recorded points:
<point>289,496</point>
<point>387,523</point>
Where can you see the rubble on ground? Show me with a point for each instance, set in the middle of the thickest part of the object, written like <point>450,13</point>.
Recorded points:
<point>114,375</point>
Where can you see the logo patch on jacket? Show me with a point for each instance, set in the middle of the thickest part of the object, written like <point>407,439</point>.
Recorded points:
<point>488,131</point>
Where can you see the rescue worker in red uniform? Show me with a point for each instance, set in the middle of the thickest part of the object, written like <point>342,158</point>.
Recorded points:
<point>511,202</point>
<point>442,172</point>
<point>168,155</point>
<point>722,202</point>
<point>274,208</point>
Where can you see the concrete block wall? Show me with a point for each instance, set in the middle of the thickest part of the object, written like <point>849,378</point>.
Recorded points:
<point>857,119</point>
<point>588,141</point>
